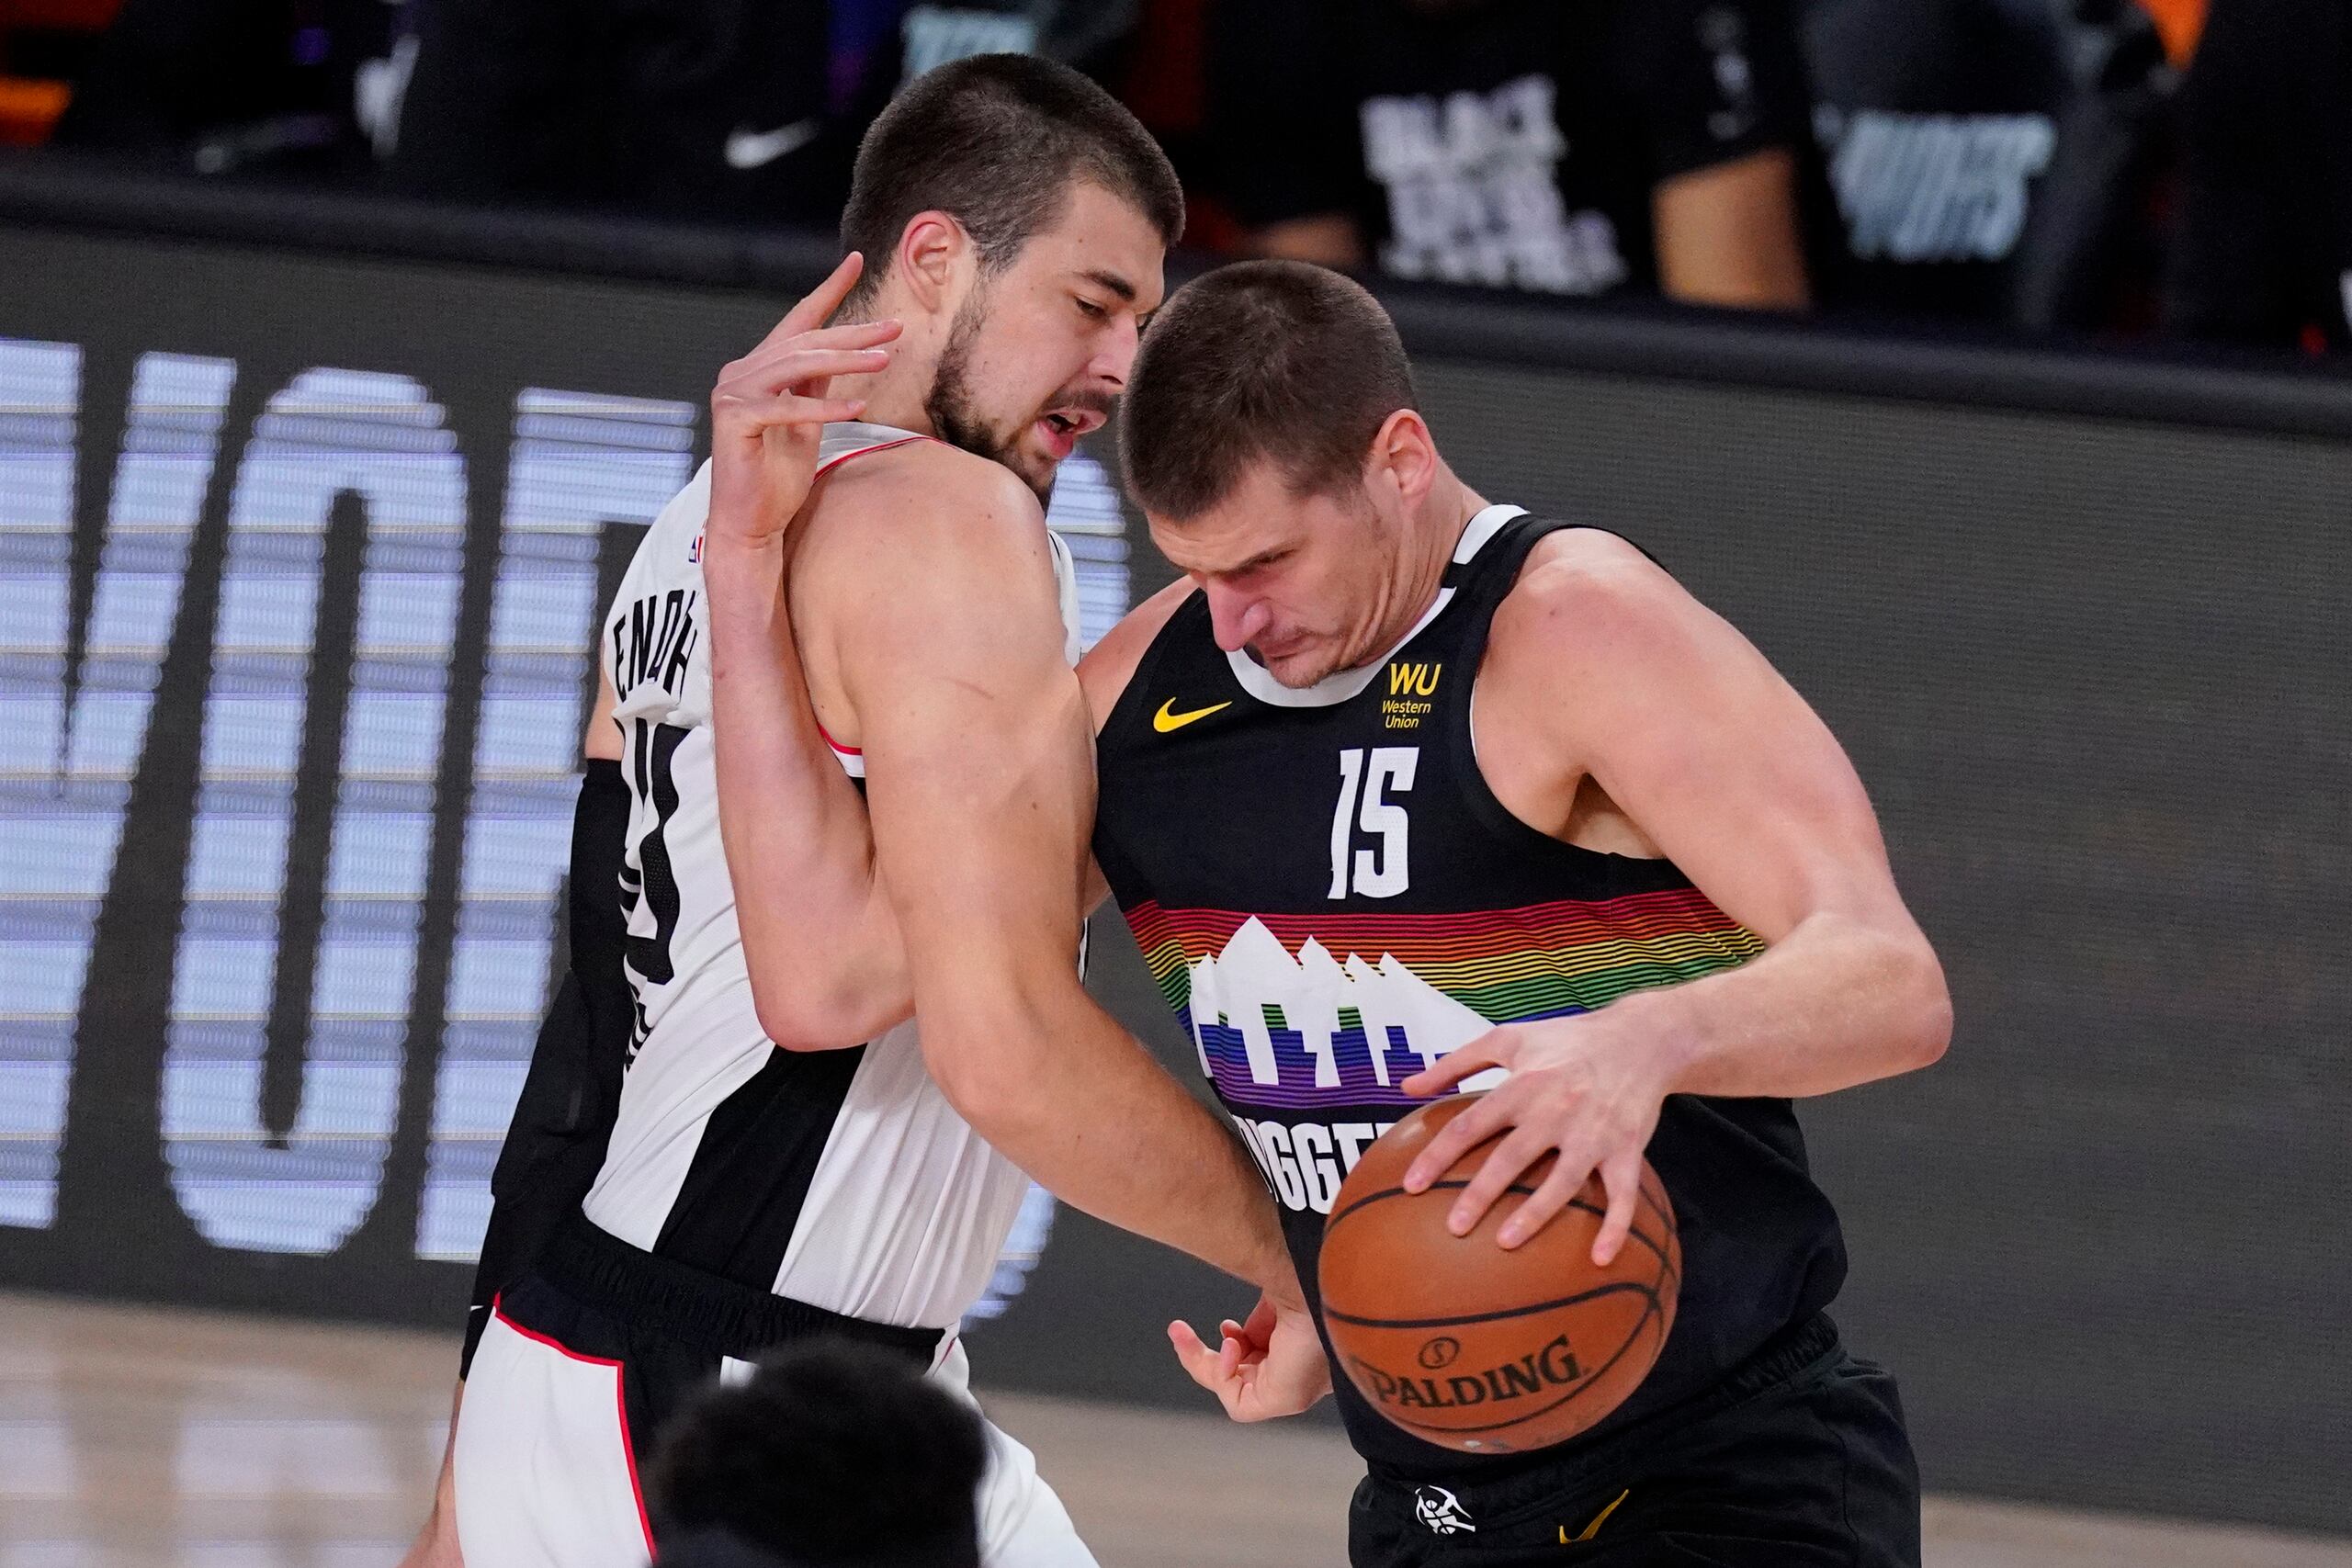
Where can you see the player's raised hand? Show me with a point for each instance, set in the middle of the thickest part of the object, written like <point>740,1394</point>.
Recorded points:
<point>770,406</point>
<point>1582,1086</point>
<point>1272,1365</point>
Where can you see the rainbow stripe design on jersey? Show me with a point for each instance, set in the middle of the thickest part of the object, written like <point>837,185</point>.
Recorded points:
<point>1301,1010</point>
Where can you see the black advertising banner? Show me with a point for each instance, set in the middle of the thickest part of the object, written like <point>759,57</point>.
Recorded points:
<point>300,558</point>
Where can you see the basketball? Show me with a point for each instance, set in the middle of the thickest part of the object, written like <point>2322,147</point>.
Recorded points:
<point>1466,1345</point>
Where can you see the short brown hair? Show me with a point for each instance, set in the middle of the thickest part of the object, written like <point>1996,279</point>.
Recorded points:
<point>996,141</point>
<point>1261,359</point>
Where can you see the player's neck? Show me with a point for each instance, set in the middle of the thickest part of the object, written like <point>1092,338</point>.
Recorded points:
<point>894,396</point>
<point>1428,550</point>
<point>900,393</point>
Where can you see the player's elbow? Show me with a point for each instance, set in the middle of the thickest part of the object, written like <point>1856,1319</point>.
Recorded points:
<point>1924,1001</point>
<point>983,1061</point>
<point>818,999</point>
<point>791,1029</point>
<point>804,1018</point>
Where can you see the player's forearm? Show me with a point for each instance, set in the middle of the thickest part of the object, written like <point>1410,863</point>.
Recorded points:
<point>436,1543</point>
<point>1069,1096</point>
<point>1837,1002</point>
<point>1728,235</point>
<point>820,937</point>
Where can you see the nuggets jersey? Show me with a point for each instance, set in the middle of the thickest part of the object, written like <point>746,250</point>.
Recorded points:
<point>1331,897</point>
<point>842,1179</point>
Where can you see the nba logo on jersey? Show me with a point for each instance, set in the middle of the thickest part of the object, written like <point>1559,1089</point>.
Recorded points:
<point>694,552</point>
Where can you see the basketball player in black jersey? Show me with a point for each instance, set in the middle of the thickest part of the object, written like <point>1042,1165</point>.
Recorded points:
<point>1392,765</point>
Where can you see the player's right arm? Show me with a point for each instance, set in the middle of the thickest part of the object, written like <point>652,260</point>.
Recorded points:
<point>820,942</point>
<point>981,790</point>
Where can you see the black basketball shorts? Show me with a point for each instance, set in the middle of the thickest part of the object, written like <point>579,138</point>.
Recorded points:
<point>1799,1460</point>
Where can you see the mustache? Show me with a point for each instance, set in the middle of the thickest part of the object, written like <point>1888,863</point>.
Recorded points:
<point>1093,399</point>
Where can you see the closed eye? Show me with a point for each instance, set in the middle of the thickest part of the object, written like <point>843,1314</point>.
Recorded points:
<point>1092,310</point>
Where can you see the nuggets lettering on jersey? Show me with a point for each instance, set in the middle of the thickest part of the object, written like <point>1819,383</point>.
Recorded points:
<point>843,1179</point>
<point>1330,899</point>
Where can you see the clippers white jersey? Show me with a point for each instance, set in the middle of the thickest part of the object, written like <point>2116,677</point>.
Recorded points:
<point>842,1179</point>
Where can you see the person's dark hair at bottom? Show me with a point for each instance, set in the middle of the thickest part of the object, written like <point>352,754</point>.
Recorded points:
<point>832,1456</point>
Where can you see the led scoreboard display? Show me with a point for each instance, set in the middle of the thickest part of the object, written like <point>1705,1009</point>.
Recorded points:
<point>347,732</point>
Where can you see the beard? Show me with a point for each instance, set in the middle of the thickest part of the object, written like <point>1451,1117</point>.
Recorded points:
<point>1320,668</point>
<point>949,405</point>
<point>957,420</point>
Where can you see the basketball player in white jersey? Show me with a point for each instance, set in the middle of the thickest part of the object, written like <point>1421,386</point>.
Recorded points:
<point>756,1187</point>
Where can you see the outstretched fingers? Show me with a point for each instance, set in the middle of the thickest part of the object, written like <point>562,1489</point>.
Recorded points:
<point>1621,1174</point>
<point>800,364</point>
<point>792,410</point>
<point>1552,1194</point>
<point>1217,1370</point>
<point>856,335</point>
<point>1471,1127</point>
<point>1496,1048</point>
<point>1520,1148</point>
<point>817,307</point>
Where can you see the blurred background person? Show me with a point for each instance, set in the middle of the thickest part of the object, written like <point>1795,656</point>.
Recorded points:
<point>716,110</point>
<point>1601,146</point>
<point>2097,218</point>
<point>832,1455</point>
<point>1938,119</point>
<point>229,86</point>
<point>2264,249</point>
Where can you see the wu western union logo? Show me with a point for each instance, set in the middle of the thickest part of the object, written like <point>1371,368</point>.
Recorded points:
<point>1413,680</point>
<point>1166,720</point>
<point>1409,686</point>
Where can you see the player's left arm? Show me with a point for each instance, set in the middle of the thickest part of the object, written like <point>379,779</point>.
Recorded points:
<point>554,1158</point>
<point>1728,235</point>
<point>1719,104</point>
<point>1624,678</point>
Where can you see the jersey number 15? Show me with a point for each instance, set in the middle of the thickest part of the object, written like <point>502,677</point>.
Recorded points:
<point>1365,780</point>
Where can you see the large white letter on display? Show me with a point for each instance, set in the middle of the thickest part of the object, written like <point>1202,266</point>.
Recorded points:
<point>78,727</point>
<point>327,432</point>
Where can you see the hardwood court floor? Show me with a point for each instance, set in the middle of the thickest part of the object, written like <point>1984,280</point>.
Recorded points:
<point>139,1438</point>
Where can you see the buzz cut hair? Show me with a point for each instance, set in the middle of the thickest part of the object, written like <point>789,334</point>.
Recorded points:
<point>997,141</point>
<point>1261,360</point>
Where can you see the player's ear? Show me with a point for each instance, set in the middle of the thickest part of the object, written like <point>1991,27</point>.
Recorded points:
<point>1403,457</point>
<point>931,248</point>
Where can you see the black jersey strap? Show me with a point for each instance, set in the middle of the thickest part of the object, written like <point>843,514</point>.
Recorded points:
<point>1487,579</point>
<point>563,1119</point>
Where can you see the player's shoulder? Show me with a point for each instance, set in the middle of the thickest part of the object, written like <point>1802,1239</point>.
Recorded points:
<point>1586,592</point>
<point>923,553</point>
<point>918,487</point>
<point>1110,665</point>
<point>922,521</point>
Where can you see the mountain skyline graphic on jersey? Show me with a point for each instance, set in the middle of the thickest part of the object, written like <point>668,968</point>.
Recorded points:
<point>1337,1008</point>
<point>1273,1030</point>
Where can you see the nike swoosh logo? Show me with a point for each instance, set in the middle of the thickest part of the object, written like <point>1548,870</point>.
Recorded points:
<point>1165,721</point>
<point>751,149</point>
